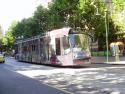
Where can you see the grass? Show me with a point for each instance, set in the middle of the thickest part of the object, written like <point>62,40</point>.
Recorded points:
<point>100,53</point>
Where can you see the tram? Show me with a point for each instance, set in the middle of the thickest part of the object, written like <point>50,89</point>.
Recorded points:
<point>63,47</point>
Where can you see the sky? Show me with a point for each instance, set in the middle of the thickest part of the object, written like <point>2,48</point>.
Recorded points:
<point>11,10</point>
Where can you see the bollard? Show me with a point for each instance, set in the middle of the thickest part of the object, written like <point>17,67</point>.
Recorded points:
<point>117,57</point>
<point>117,53</point>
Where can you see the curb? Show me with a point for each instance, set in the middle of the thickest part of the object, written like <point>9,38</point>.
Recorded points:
<point>116,63</point>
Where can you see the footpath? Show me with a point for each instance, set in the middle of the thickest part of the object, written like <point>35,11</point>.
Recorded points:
<point>111,60</point>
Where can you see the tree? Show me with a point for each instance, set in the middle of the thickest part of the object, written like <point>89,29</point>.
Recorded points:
<point>26,28</point>
<point>73,13</point>
<point>1,32</point>
<point>62,13</point>
<point>41,17</point>
<point>8,40</point>
<point>1,37</point>
<point>118,14</point>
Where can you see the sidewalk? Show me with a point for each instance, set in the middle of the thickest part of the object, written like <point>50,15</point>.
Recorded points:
<point>112,60</point>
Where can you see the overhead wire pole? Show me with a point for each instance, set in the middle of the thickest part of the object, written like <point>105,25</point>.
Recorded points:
<point>107,30</point>
<point>108,9</point>
<point>106,15</point>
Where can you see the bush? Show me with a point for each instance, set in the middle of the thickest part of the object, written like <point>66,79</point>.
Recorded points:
<point>100,53</point>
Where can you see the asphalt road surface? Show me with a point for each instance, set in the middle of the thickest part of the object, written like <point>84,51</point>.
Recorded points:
<point>15,83</point>
<point>94,79</point>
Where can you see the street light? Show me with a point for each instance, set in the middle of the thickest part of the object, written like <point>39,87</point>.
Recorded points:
<point>106,31</point>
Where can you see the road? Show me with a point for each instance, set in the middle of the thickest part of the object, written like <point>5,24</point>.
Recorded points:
<point>95,79</point>
<point>15,83</point>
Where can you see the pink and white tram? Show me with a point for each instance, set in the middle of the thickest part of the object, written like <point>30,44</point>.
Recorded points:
<point>63,47</point>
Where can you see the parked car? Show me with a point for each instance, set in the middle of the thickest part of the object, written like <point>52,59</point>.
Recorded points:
<point>2,58</point>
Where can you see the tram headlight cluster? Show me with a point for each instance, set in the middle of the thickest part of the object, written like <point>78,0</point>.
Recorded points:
<point>81,55</point>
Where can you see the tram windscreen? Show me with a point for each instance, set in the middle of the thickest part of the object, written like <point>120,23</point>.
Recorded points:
<point>75,42</point>
<point>79,41</point>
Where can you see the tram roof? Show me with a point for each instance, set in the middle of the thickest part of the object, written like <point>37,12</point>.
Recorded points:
<point>59,32</point>
<point>56,33</point>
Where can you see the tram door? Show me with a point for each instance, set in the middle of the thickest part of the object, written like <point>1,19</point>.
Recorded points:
<point>43,50</point>
<point>60,51</point>
<point>65,54</point>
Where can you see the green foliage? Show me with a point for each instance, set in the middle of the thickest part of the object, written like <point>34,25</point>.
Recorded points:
<point>118,14</point>
<point>8,40</point>
<point>41,18</point>
<point>62,13</point>
<point>1,32</point>
<point>100,53</point>
<point>73,13</point>
<point>26,28</point>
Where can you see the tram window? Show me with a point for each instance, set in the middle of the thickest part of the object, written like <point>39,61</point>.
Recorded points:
<point>33,47</point>
<point>66,45</point>
<point>16,49</point>
<point>58,52</point>
<point>24,48</point>
<point>81,41</point>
